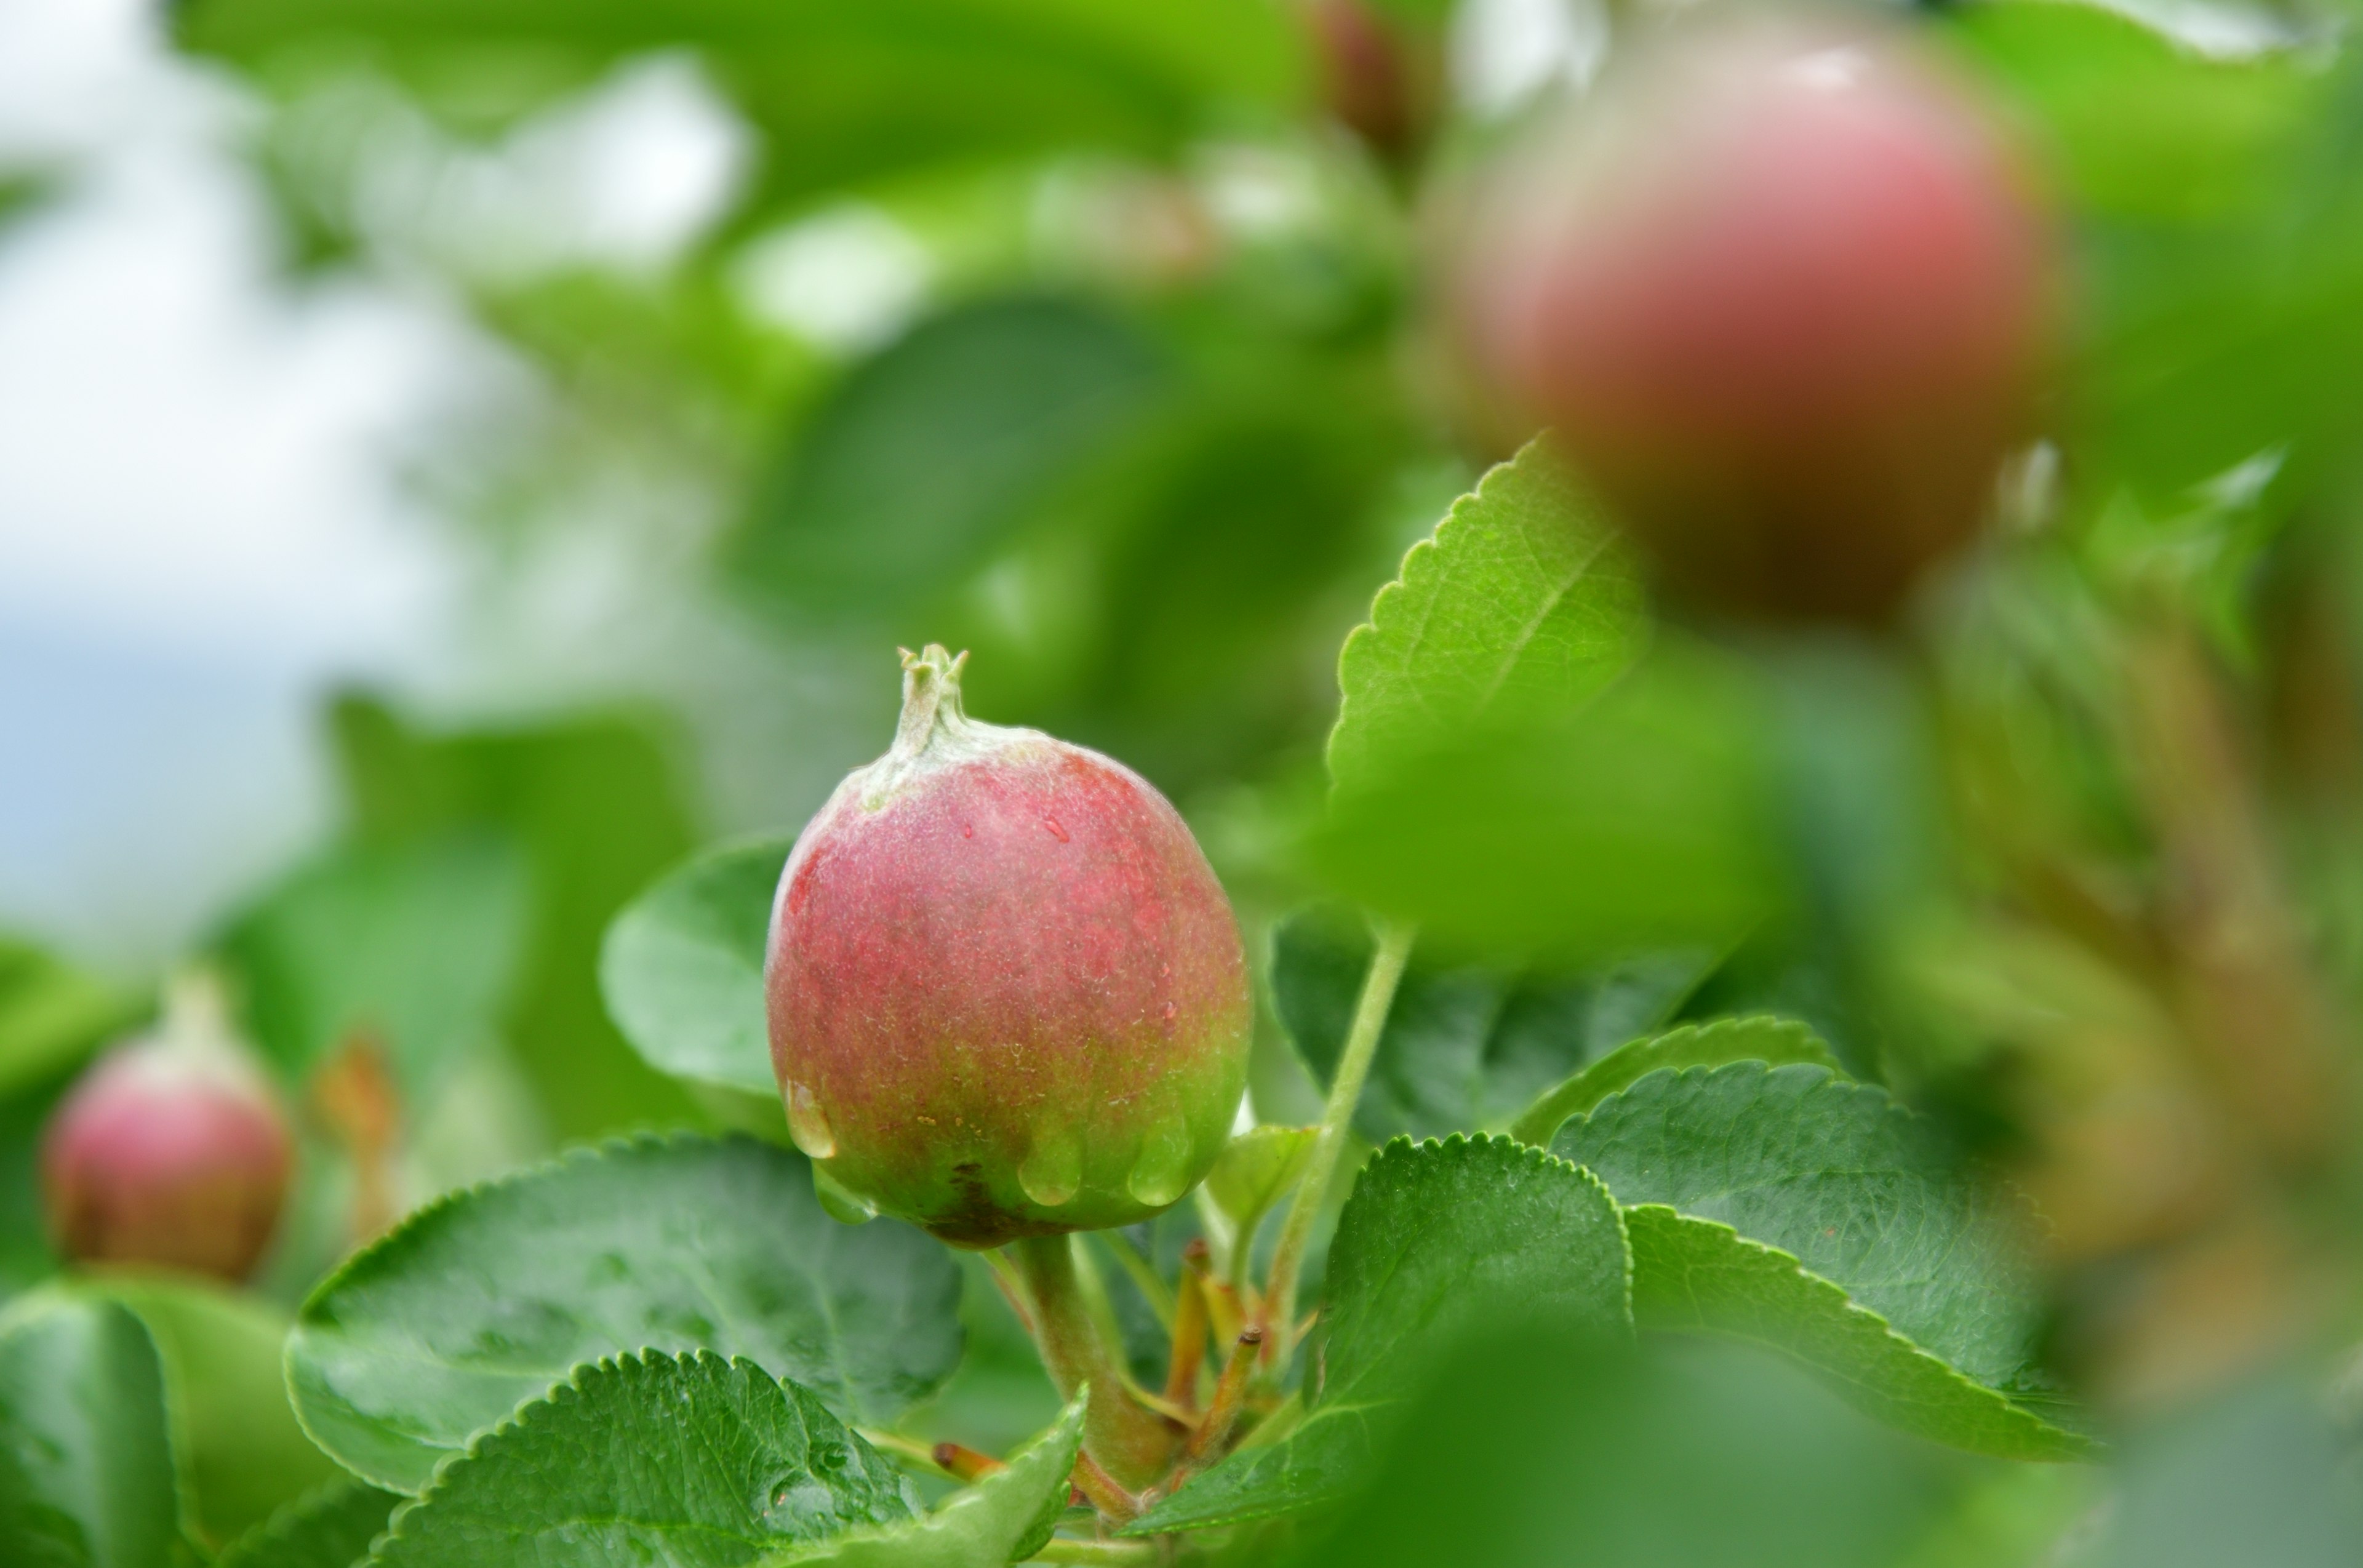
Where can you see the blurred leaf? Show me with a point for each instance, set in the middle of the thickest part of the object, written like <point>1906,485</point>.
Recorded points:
<point>1000,1394</point>
<point>1538,1447</point>
<point>1465,1048</point>
<point>413,945</point>
<point>1219,549</point>
<point>1256,1170</point>
<point>26,1258</point>
<point>682,968</point>
<point>592,804</point>
<point>2222,243</point>
<point>929,453</point>
<point>1778,1041</point>
<point>2255,1474</point>
<point>329,1527</point>
<point>1001,1518</point>
<point>234,1434</point>
<point>2134,124</point>
<point>51,1014</point>
<point>648,1459</point>
<point>842,95</point>
<point>486,1297</point>
<point>1699,1276</point>
<point>1437,1239</point>
<point>22,194</point>
<point>2021,1516</point>
<point>1645,820</point>
<point>1856,1189</point>
<point>1521,602</point>
<point>86,1475</point>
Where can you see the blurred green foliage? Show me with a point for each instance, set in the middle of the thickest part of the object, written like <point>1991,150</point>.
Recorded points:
<point>1165,406</point>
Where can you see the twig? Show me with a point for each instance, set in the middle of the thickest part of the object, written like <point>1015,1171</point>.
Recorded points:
<point>963,1462</point>
<point>1230,1391</point>
<point>1107,1494</point>
<point>1189,1327</point>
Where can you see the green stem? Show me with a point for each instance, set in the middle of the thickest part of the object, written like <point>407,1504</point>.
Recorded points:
<point>1277,1313</point>
<point>1058,1548</point>
<point>1143,1274</point>
<point>1130,1443</point>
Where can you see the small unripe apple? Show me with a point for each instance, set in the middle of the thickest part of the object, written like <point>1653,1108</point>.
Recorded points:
<point>1006,993</point>
<point>173,1149</point>
<point>1782,293</point>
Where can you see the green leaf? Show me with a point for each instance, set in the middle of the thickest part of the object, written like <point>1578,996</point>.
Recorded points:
<point>1778,1041</point>
<point>1648,817</point>
<point>692,1461</point>
<point>2134,123</point>
<point>1438,1240</point>
<point>1531,1448</point>
<point>1009,398</point>
<point>240,1452</point>
<point>51,1014</point>
<point>486,1299</point>
<point>1466,1047</point>
<point>1855,1189</point>
<point>591,803</point>
<point>842,96</point>
<point>85,1456</point>
<point>1697,1274</point>
<point>413,945</point>
<point>1004,1518</point>
<point>1521,601</point>
<point>682,968</point>
<point>1256,1170</point>
<point>329,1527</point>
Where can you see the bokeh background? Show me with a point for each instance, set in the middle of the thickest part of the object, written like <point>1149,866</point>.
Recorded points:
<point>457,459</point>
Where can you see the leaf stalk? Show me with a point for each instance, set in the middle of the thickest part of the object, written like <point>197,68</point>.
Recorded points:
<point>1276,1313</point>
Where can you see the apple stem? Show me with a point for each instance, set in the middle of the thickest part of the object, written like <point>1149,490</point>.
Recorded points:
<point>1132,1444</point>
<point>931,696</point>
<point>1276,1313</point>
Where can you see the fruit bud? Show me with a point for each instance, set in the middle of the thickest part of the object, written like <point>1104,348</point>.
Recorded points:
<point>1781,293</point>
<point>173,1149</point>
<point>1006,994</point>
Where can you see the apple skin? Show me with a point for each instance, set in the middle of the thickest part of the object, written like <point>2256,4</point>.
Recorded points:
<point>1007,996</point>
<point>170,1151</point>
<point>1783,295</point>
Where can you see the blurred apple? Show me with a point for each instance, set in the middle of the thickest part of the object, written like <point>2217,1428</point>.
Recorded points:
<point>1780,291</point>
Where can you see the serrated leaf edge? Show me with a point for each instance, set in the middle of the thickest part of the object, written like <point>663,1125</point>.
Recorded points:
<point>1522,1128</point>
<point>1067,1430</point>
<point>1402,1146</point>
<point>2075,1445</point>
<point>586,1155</point>
<point>1414,560</point>
<point>2022,1205</point>
<point>571,1382</point>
